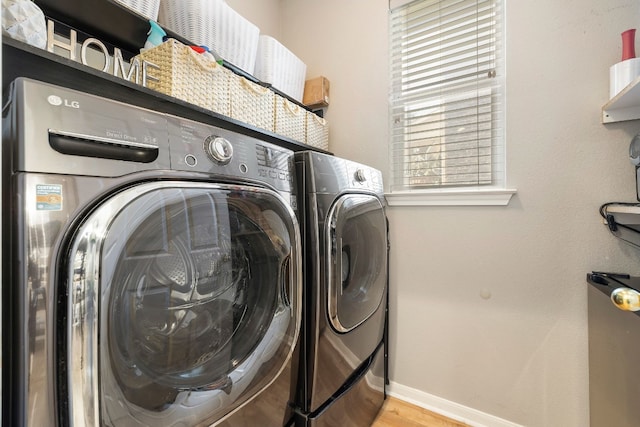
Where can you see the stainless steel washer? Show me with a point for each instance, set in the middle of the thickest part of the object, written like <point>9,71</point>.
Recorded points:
<point>151,271</point>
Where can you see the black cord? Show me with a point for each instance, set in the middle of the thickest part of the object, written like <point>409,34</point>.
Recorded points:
<point>615,226</point>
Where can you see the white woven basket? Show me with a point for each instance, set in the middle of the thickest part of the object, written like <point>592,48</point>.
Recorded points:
<point>277,65</point>
<point>187,75</point>
<point>147,8</point>
<point>317,131</point>
<point>252,103</point>
<point>290,119</point>
<point>216,25</point>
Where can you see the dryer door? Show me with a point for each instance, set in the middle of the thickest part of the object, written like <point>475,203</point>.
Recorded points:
<point>185,299</point>
<point>357,259</point>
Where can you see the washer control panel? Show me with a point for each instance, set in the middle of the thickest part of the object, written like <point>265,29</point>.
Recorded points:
<point>273,163</point>
<point>204,148</point>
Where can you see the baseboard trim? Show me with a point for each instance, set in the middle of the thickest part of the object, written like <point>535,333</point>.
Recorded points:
<point>449,409</point>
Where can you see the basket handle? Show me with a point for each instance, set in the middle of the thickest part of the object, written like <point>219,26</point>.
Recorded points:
<point>206,64</point>
<point>293,108</point>
<point>257,89</point>
<point>184,50</point>
<point>319,119</point>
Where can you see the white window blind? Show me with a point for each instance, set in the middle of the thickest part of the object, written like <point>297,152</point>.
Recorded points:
<point>446,95</point>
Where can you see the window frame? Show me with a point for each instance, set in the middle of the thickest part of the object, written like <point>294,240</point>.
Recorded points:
<point>494,193</point>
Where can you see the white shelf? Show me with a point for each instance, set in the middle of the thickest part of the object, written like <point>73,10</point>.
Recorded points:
<point>625,214</point>
<point>623,106</point>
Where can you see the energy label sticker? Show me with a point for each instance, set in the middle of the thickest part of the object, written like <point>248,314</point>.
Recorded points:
<point>48,197</point>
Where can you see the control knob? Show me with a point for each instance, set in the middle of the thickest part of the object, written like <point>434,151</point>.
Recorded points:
<point>218,149</point>
<point>360,176</point>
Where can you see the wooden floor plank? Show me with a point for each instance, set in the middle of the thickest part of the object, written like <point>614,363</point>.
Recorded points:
<point>397,413</point>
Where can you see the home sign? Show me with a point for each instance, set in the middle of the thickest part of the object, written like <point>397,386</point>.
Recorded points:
<point>137,70</point>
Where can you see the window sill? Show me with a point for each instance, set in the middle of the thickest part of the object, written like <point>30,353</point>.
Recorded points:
<point>450,198</point>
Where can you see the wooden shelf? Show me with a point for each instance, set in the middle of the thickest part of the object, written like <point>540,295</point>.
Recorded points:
<point>107,20</point>
<point>117,26</point>
<point>22,60</point>
<point>623,106</point>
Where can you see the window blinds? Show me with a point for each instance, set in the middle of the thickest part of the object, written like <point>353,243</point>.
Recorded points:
<point>446,94</point>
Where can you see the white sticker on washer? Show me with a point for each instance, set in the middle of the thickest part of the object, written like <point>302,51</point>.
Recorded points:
<point>48,197</point>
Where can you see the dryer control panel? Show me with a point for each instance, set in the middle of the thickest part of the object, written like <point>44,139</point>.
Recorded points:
<point>333,175</point>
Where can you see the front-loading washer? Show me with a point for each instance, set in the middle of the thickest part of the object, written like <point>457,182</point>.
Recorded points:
<point>345,267</point>
<point>151,268</point>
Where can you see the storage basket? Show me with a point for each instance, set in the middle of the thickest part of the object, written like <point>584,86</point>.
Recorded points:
<point>290,119</point>
<point>214,24</point>
<point>147,8</point>
<point>252,103</point>
<point>188,75</point>
<point>278,66</point>
<point>317,131</point>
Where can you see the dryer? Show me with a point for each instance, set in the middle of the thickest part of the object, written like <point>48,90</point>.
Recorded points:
<point>345,267</point>
<point>151,268</point>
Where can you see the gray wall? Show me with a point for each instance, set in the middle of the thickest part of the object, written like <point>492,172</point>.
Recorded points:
<point>520,354</point>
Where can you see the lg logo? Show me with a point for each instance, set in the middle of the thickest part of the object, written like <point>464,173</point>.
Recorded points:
<point>57,101</point>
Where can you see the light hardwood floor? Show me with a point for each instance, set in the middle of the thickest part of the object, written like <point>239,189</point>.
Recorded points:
<point>397,413</point>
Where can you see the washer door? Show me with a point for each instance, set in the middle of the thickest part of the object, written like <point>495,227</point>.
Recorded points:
<point>357,259</point>
<point>185,299</point>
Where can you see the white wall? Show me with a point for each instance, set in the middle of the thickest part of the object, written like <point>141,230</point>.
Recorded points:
<point>263,13</point>
<point>521,354</point>
<point>346,41</point>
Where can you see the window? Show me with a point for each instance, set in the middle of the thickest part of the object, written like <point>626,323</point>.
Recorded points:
<point>447,106</point>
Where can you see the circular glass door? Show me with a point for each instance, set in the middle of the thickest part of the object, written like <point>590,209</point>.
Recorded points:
<point>357,259</point>
<point>197,302</point>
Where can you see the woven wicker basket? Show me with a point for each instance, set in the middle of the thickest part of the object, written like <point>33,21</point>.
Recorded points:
<point>187,75</point>
<point>290,119</point>
<point>317,131</point>
<point>252,103</point>
<point>146,8</point>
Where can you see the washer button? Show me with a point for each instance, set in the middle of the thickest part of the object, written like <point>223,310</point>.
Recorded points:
<point>190,160</point>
